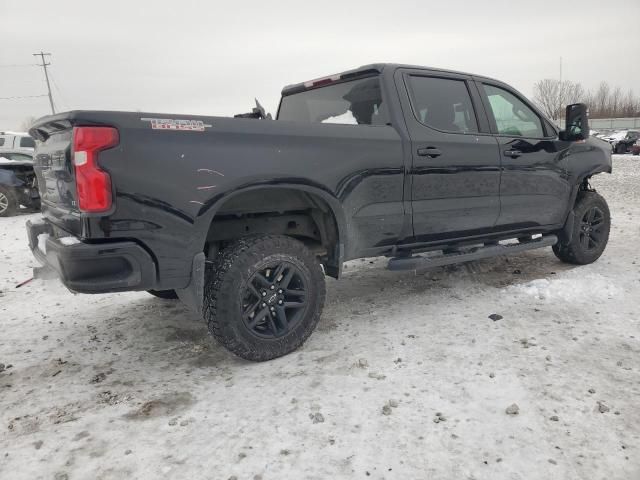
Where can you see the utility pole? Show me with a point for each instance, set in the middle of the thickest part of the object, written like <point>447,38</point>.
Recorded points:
<point>46,76</point>
<point>560,69</point>
<point>561,92</point>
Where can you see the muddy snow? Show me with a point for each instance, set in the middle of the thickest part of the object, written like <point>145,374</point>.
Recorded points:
<point>507,368</point>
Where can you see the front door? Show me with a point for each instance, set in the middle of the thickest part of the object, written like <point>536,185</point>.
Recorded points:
<point>455,174</point>
<point>534,188</point>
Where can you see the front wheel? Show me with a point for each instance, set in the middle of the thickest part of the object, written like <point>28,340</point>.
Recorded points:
<point>621,148</point>
<point>590,230</point>
<point>263,297</point>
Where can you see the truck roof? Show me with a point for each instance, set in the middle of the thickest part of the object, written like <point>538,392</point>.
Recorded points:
<point>365,70</point>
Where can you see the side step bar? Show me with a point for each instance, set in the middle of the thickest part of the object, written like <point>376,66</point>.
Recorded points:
<point>418,263</point>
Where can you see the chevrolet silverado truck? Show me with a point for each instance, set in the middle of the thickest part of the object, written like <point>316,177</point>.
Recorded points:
<point>241,218</point>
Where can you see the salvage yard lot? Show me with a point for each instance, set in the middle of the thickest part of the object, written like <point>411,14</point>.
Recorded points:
<point>405,377</point>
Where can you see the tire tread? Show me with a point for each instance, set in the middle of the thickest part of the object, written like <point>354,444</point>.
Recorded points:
<point>571,252</point>
<point>218,287</point>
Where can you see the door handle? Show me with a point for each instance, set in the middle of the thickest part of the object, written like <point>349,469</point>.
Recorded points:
<point>513,153</point>
<point>430,152</point>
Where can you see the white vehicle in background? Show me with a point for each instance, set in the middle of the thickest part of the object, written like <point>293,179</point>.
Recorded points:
<point>16,141</point>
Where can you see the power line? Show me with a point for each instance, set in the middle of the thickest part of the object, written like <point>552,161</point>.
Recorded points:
<point>20,65</point>
<point>46,76</point>
<point>24,96</point>
<point>64,103</point>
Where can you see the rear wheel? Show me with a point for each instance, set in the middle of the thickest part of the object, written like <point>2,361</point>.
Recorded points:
<point>590,230</point>
<point>263,296</point>
<point>8,202</point>
<point>166,294</point>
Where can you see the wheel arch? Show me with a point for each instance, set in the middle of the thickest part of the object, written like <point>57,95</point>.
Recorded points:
<point>216,205</point>
<point>581,183</point>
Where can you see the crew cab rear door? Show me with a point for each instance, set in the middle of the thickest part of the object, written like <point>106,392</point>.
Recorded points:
<point>455,171</point>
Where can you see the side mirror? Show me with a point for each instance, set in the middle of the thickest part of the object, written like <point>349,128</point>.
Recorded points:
<point>576,123</point>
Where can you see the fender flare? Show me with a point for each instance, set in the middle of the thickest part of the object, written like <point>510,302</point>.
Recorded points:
<point>566,233</point>
<point>212,206</point>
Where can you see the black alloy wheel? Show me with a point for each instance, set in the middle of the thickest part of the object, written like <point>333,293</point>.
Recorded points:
<point>591,228</point>
<point>589,231</point>
<point>274,300</point>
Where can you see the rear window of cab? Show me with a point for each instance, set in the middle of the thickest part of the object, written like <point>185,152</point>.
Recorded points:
<point>355,102</point>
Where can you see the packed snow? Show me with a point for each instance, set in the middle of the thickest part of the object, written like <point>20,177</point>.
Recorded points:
<point>509,368</point>
<point>69,240</point>
<point>344,118</point>
<point>42,242</point>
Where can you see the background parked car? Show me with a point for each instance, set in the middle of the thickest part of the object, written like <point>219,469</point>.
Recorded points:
<point>18,182</point>
<point>622,140</point>
<point>16,142</point>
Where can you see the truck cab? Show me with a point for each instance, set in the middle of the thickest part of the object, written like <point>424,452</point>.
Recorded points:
<point>16,142</point>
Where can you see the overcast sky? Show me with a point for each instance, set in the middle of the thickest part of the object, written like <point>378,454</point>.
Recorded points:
<point>213,57</point>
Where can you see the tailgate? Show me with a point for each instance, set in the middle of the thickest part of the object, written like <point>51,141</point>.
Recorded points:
<point>56,176</point>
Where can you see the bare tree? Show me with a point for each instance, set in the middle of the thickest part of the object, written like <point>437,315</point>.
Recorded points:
<point>552,96</point>
<point>601,100</point>
<point>547,94</point>
<point>615,102</point>
<point>627,104</point>
<point>571,92</point>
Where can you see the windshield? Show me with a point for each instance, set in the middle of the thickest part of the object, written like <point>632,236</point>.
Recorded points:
<point>358,102</point>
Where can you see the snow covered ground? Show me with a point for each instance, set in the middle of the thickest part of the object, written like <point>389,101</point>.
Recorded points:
<point>406,377</point>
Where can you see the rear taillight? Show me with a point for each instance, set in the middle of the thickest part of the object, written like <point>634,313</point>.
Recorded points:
<point>92,183</point>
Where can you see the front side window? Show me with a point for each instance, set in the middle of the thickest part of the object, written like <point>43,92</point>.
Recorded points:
<point>1,141</point>
<point>513,117</point>
<point>442,103</point>
<point>358,102</point>
<point>27,142</point>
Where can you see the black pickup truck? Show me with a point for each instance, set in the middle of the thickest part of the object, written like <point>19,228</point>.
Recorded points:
<point>241,218</point>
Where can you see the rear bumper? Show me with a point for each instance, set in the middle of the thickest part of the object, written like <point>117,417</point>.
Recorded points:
<point>93,268</point>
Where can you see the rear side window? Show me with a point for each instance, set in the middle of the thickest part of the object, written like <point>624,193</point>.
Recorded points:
<point>443,103</point>
<point>18,156</point>
<point>358,102</point>
<point>27,142</point>
<point>513,117</point>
